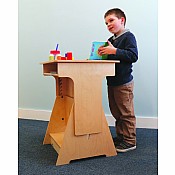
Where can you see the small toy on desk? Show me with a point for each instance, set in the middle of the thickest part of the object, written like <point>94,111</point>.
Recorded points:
<point>55,55</point>
<point>57,47</point>
<point>63,58</point>
<point>58,57</point>
<point>51,57</point>
<point>69,55</point>
<point>94,51</point>
<point>54,52</point>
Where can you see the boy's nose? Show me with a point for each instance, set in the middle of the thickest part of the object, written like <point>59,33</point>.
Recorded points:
<point>109,24</point>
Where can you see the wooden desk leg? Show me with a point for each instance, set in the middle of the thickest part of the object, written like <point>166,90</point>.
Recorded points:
<point>89,145</point>
<point>59,117</point>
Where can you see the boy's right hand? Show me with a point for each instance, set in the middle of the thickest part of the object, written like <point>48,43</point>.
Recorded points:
<point>99,50</point>
<point>107,50</point>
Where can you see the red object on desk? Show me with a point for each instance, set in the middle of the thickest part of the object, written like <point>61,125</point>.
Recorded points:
<point>69,55</point>
<point>54,52</point>
<point>63,58</point>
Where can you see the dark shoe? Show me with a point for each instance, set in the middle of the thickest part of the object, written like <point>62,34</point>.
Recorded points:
<point>124,147</point>
<point>117,141</point>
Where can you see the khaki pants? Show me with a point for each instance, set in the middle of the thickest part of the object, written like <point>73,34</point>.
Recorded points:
<point>122,109</point>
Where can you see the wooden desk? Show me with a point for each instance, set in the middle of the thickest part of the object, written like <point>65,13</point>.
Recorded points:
<point>78,127</point>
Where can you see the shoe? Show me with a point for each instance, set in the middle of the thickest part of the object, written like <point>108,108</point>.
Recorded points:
<point>117,141</point>
<point>124,147</point>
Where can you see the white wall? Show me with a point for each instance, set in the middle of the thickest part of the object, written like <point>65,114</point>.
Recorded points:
<point>74,24</point>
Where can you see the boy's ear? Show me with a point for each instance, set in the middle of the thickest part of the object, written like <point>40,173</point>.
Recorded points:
<point>122,20</point>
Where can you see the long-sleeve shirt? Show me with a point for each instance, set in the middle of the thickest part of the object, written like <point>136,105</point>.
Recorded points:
<point>127,53</point>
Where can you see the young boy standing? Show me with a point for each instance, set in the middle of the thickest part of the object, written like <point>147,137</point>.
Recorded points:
<point>121,46</point>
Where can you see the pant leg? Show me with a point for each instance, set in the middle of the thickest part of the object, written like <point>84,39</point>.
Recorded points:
<point>112,103</point>
<point>114,111</point>
<point>126,121</point>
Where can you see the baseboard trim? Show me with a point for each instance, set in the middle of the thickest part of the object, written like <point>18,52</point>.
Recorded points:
<point>44,115</point>
<point>34,114</point>
<point>141,122</point>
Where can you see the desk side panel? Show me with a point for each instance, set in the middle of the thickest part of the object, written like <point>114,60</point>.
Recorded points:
<point>87,78</point>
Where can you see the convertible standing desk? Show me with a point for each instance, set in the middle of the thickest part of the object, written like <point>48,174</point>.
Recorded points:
<point>78,127</point>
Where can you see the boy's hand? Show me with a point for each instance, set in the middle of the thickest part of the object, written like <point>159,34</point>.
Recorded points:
<point>107,50</point>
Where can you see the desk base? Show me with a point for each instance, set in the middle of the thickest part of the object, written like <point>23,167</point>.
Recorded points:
<point>61,134</point>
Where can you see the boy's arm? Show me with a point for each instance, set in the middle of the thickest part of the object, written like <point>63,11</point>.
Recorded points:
<point>129,53</point>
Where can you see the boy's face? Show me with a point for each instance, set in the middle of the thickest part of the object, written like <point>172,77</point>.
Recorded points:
<point>114,24</point>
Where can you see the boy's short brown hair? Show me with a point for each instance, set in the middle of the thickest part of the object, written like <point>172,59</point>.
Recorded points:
<point>116,11</point>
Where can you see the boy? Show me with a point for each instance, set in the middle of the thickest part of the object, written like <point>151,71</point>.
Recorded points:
<point>121,46</point>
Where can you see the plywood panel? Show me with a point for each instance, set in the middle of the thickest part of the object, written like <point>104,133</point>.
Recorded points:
<point>87,80</point>
<point>59,117</point>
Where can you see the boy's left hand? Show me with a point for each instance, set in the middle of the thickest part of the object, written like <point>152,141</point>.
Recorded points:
<point>107,50</point>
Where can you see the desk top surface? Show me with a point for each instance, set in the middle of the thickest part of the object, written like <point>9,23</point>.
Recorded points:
<point>81,61</point>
